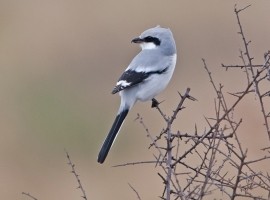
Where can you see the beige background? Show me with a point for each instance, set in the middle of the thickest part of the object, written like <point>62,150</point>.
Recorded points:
<point>59,61</point>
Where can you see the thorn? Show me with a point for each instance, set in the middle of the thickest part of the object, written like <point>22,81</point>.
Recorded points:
<point>180,94</point>
<point>192,98</point>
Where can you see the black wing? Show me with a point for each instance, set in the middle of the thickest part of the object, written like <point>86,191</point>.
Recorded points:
<point>130,78</point>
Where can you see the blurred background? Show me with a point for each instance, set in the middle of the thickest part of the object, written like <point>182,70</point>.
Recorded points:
<point>59,61</point>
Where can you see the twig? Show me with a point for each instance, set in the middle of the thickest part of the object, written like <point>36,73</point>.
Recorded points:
<point>257,160</point>
<point>240,66</point>
<point>137,163</point>
<point>186,135</point>
<point>169,161</point>
<point>238,176</point>
<point>138,196</point>
<point>29,195</point>
<point>73,171</point>
<point>180,104</point>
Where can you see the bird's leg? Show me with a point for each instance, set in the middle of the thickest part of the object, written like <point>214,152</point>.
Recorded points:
<point>155,103</point>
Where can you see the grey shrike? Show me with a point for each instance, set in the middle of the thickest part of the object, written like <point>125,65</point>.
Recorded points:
<point>146,76</point>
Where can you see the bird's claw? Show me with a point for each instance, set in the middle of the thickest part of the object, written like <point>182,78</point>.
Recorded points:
<point>155,103</point>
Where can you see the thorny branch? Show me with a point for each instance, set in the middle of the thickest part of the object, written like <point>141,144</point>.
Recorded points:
<point>250,70</point>
<point>213,161</point>
<point>73,171</point>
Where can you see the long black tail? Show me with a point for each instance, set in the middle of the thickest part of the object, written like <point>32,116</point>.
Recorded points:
<point>111,136</point>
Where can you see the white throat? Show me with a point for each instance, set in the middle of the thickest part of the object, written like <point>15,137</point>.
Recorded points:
<point>148,45</point>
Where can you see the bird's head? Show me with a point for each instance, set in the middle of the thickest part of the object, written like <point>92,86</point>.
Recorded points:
<point>156,37</point>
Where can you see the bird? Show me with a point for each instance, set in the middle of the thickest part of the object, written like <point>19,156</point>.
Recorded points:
<point>146,76</point>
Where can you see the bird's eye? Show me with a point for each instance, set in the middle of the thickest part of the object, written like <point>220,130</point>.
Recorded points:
<point>154,40</point>
<point>148,39</point>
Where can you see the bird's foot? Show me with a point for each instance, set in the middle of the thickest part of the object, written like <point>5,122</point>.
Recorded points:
<point>155,103</point>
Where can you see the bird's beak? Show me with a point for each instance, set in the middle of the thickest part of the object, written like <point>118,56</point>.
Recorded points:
<point>137,40</point>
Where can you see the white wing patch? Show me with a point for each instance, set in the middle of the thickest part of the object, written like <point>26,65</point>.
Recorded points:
<point>123,83</point>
